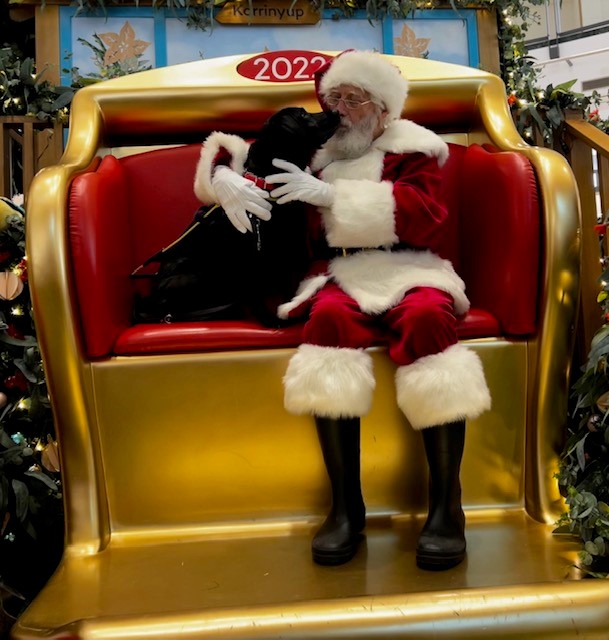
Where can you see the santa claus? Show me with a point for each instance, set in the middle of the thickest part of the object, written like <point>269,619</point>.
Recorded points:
<point>374,192</point>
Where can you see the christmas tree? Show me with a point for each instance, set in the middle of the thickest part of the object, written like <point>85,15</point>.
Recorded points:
<point>31,508</point>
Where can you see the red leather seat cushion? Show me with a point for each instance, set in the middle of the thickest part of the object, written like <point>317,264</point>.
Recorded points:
<point>186,337</point>
<point>189,337</point>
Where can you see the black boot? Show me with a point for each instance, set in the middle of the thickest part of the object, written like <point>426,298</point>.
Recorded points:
<point>338,538</point>
<point>441,544</point>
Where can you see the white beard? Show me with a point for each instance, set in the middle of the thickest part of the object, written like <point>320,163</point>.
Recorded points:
<point>352,140</point>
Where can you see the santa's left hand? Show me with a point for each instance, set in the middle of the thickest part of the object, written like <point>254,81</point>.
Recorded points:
<point>299,185</point>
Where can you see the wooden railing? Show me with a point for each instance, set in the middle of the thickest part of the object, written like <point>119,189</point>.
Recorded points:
<point>27,145</point>
<point>586,139</point>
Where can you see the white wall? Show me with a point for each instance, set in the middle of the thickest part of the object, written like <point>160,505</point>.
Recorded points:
<point>594,11</point>
<point>585,59</point>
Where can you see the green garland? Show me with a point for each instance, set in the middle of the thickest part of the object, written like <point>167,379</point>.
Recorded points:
<point>583,474</point>
<point>539,113</point>
<point>26,93</point>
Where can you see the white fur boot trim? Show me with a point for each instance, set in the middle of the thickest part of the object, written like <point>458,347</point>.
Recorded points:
<point>442,388</point>
<point>329,382</point>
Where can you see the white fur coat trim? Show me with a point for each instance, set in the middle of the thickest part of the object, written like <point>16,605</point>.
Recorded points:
<point>329,382</point>
<point>400,136</point>
<point>378,280</point>
<point>307,289</point>
<point>237,148</point>
<point>362,215</point>
<point>405,136</point>
<point>442,388</point>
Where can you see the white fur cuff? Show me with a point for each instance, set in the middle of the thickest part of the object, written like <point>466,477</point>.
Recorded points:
<point>329,382</point>
<point>442,388</point>
<point>236,147</point>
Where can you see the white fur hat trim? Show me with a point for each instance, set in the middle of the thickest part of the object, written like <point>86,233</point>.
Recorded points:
<point>372,72</point>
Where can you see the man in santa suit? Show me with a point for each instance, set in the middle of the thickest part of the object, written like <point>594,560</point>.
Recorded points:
<point>376,209</point>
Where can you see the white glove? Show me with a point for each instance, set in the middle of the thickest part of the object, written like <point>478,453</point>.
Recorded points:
<point>238,195</point>
<point>300,185</point>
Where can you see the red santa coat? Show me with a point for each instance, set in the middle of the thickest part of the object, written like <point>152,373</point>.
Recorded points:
<point>385,200</point>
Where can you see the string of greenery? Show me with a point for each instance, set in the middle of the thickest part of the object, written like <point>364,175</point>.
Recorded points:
<point>539,112</point>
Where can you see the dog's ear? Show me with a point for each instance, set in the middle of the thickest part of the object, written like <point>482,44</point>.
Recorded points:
<point>296,124</point>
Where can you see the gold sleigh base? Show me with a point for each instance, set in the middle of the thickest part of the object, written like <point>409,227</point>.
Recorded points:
<point>514,583</point>
<point>217,545</point>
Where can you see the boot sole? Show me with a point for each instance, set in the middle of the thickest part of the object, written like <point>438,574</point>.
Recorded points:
<point>338,556</point>
<point>436,562</point>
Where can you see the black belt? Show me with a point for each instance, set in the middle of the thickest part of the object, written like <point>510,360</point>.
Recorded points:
<point>349,251</point>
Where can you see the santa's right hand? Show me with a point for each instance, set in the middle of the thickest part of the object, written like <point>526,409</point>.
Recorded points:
<point>239,196</point>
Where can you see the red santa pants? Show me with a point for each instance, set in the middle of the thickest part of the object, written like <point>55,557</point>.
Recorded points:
<point>422,324</point>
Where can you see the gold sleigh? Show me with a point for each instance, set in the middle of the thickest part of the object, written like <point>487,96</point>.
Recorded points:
<point>190,493</point>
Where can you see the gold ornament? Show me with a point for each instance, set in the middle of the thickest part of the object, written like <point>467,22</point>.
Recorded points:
<point>50,455</point>
<point>11,285</point>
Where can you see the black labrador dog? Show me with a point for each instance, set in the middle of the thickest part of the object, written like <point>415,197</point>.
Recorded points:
<point>212,271</point>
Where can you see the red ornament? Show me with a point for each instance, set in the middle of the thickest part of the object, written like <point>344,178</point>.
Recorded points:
<point>512,99</point>
<point>13,332</point>
<point>4,256</point>
<point>17,381</point>
<point>22,267</point>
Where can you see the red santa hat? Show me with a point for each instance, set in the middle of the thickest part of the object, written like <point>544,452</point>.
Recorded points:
<point>369,71</point>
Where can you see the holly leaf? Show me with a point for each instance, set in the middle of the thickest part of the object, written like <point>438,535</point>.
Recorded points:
<point>28,341</point>
<point>555,115</point>
<point>579,452</point>
<point>25,370</point>
<point>22,496</point>
<point>63,100</point>
<point>42,477</point>
<point>5,439</point>
<point>26,72</point>
<point>599,346</point>
<point>564,87</point>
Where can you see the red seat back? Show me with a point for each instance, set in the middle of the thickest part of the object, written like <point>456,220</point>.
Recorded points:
<point>128,209</point>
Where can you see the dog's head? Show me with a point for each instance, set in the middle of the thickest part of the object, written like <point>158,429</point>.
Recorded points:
<point>292,134</point>
<point>310,130</point>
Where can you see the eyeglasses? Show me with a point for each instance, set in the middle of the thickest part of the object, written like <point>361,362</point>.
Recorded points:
<point>333,100</point>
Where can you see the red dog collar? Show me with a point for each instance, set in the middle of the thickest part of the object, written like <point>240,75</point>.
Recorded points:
<point>259,182</point>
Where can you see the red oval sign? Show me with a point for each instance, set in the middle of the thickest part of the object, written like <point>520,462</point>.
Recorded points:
<point>282,66</point>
